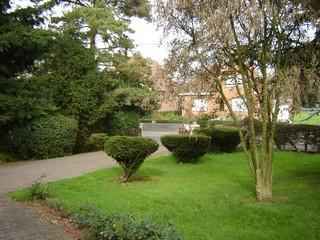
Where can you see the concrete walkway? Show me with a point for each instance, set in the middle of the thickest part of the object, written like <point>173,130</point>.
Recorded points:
<point>20,223</point>
<point>23,174</point>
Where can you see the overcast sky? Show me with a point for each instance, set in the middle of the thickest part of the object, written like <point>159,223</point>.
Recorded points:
<point>146,37</point>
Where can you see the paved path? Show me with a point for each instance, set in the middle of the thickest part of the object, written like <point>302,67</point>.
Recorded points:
<point>20,223</point>
<point>23,174</point>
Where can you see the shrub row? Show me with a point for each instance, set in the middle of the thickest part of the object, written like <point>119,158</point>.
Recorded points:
<point>186,148</point>
<point>47,137</point>
<point>223,139</point>
<point>298,137</point>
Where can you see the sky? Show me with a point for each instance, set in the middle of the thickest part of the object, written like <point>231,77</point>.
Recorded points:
<point>146,36</point>
<point>148,40</point>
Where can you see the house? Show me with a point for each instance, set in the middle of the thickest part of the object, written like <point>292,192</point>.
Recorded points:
<point>199,97</point>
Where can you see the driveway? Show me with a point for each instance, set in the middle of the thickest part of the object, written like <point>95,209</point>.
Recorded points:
<point>18,222</point>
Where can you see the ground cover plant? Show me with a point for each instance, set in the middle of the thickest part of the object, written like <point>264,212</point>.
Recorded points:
<point>211,200</point>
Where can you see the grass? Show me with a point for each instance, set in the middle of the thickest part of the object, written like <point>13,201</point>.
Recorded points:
<point>299,119</point>
<point>210,200</point>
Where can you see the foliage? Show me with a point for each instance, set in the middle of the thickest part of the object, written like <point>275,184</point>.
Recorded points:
<point>293,135</point>
<point>164,117</point>
<point>135,72</point>
<point>223,39</point>
<point>121,226</point>
<point>6,157</point>
<point>38,190</point>
<point>130,152</point>
<point>96,141</point>
<point>125,123</point>
<point>223,139</point>
<point>21,44</point>
<point>203,121</point>
<point>187,149</point>
<point>138,99</point>
<point>217,192</point>
<point>47,137</point>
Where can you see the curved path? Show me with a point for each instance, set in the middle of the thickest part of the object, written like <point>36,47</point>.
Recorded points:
<point>20,223</point>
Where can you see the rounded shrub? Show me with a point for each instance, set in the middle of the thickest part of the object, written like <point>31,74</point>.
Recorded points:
<point>96,141</point>
<point>223,139</point>
<point>130,152</point>
<point>187,149</point>
<point>47,137</point>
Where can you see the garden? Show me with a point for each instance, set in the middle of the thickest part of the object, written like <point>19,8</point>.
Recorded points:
<point>203,189</point>
<point>73,82</point>
<point>211,199</point>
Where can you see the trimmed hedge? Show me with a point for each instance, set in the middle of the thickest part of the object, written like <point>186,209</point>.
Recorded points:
<point>96,141</point>
<point>124,227</point>
<point>298,137</point>
<point>187,149</point>
<point>223,139</point>
<point>47,137</point>
<point>130,152</point>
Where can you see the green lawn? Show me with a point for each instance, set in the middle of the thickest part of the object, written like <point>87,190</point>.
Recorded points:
<point>211,200</point>
<point>300,119</point>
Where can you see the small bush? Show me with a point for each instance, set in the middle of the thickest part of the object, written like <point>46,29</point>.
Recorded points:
<point>298,137</point>
<point>130,152</point>
<point>125,124</point>
<point>203,121</point>
<point>38,190</point>
<point>44,138</point>
<point>223,139</point>
<point>187,149</point>
<point>96,141</point>
<point>124,227</point>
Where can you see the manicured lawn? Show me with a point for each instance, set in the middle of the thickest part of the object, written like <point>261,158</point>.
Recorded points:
<point>211,200</point>
<point>300,119</point>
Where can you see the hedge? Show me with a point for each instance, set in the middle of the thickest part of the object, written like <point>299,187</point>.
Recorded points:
<point>130,152</point>
<point>47,137</point>
<point>96,142</point>
<point>223,139</point>
<point>187,149</point>
<point>298,137</point>
<point>125,124</point>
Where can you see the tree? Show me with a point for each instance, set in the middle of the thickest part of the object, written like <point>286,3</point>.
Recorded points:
<point>21,44</point>
<point>107,18</point>
<point>249,39</point>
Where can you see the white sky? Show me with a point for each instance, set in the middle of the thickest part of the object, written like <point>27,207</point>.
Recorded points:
<point>148,40</point>
<point>146,36</point>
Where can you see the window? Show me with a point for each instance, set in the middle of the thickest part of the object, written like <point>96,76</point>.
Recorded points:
<point>200,105</point>
<point>232,81</point>
<point>238,105</point>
